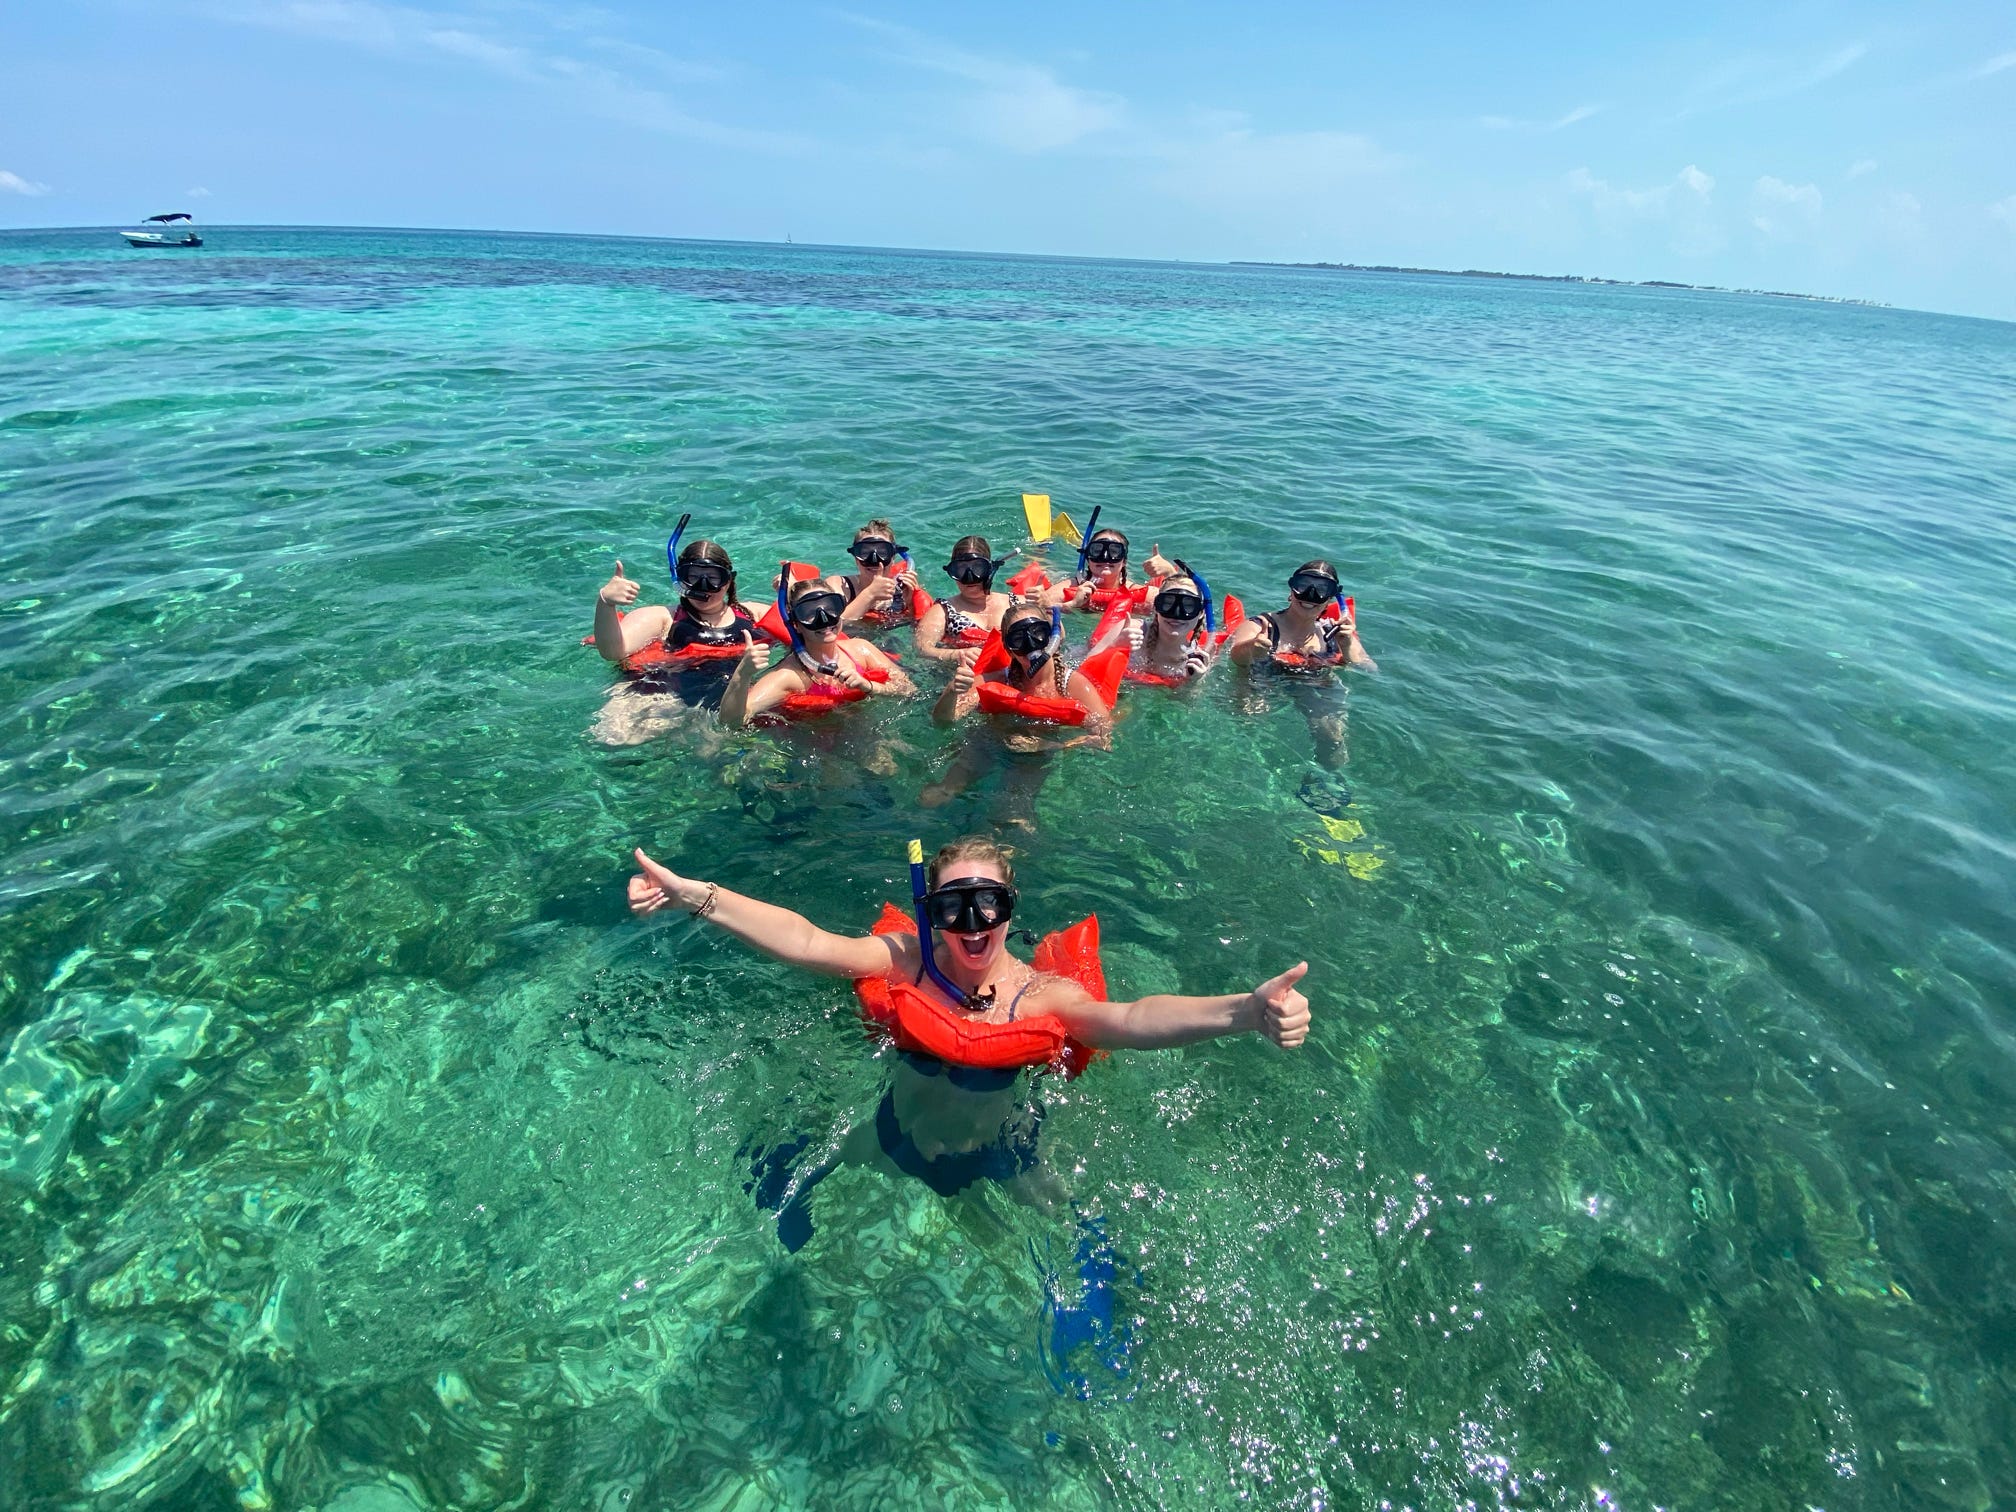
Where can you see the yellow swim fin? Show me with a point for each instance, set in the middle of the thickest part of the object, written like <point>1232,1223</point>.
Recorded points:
<point>1037,508</point>
<point>1061,525</point>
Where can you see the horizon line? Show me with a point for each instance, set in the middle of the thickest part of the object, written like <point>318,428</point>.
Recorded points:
<point>1588,280</point>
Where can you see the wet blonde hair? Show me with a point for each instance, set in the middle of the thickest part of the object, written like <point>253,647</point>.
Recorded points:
<point>971,848</point>
<point>876,530</point>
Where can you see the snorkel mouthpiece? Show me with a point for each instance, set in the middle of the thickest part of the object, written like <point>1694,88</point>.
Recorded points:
<point>918,888</point>
<point>672,548</point>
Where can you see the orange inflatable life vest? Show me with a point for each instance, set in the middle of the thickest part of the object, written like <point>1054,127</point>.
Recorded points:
<point>1298,661</point>
<point>1104,670</point>
<point>823,697</point>
<point>1033,579</point>
<point>1232,614</point>
<point>916,1021</point>
<point>884,619</point>
<point>657,654</point>
<point>1029,579</point>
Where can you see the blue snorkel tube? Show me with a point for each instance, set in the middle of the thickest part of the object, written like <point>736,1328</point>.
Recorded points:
<point>784,610</point>
<point>924,934</point>
<point>1085,540</point>
<point>1204,591</point>
<point>672,548</point>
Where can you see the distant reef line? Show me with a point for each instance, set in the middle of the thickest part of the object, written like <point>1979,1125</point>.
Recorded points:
<point>1567,278</point>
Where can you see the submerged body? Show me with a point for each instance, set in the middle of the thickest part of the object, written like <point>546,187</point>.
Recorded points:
<point>935,1110</point>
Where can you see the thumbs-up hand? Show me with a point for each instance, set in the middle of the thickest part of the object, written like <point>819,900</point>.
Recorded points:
<point>1282,1012</point>
<point>657,887</point>
<point>1159,566</point>
<point>963,675</point>
<point>619,589</point>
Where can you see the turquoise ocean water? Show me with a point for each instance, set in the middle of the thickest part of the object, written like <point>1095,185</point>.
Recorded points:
<point>1654,1145</point>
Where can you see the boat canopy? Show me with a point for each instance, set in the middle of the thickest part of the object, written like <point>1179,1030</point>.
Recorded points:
<point>164,219</point>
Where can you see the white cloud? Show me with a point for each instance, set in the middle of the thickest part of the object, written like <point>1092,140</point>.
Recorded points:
<point>589,87</point>
<point>196,193</point>
<point>1781,210</point>
<point>13,183</point>
<point>1683,206</point>
<point>1513,123</point>
<point>1021,106</point>
<point>1994,65</point>
<point>2004,210</point>
<point>1751,79</point>
<point>1861,166</point>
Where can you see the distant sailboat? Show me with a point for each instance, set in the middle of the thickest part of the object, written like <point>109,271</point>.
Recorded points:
<point>184,235</point>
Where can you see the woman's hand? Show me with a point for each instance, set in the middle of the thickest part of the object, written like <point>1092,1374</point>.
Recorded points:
<point>1159,566</point>
<point>1279,1011</point>
<point>619,589</point>
<point>657,887</point>
<point>963,675</point>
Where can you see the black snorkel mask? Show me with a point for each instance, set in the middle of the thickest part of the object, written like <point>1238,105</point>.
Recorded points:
<point>874,551</point>
<point>1031,640</point>
<point>973,569</point>
<point>1314,588</point>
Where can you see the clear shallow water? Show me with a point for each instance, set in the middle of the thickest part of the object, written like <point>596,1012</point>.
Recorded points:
<point>1655,1142</point>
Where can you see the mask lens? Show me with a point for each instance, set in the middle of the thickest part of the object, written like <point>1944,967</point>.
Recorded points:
<point>703,578</point>
<point>1026,636</point>
<point>971,569</point>
<point>970,907</point>
<point>873,553</point>
<point>1105,551</point>
<point>1312,589</point>
<point>818,611</point>
<point>1178,605</point>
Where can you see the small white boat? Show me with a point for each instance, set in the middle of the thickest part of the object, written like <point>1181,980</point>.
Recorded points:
<point>171,233</point>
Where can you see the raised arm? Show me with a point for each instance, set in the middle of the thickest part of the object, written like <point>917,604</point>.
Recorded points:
<point>619,637</point>
<point>747,695</point>
<point>958,700</point>
<point>931,630</point>
<point>875,594</point>
<point>1248,643</point>
<point>1275,1008</point>
<point>789,937</point>
<point>1358,656</point>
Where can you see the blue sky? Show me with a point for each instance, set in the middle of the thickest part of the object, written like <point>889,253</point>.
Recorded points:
<point>1839,149</point>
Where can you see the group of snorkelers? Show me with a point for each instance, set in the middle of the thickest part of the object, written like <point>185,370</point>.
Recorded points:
<point>965,1013</point>
<point>1003,645</point>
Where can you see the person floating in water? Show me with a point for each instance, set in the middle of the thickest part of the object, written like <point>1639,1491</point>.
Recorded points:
<point>1314,634</point>
<point>883,592</point>
<point>1178,643</point>
<point>963,620</point>
<point>824,671</point>
<point>671,658</point>
<point>967,1015</point>
<point>1036,704</point>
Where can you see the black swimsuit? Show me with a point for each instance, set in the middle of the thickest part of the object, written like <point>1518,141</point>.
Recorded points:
<point>702,681</point>
<point>689,630</point>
